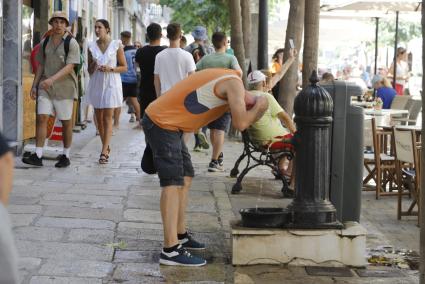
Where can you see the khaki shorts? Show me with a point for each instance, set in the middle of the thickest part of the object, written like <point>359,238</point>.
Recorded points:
<point>61,108</point>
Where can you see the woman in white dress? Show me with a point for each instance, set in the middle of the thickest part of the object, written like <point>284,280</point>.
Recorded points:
<point>105,61</point>
<point>402,70</point>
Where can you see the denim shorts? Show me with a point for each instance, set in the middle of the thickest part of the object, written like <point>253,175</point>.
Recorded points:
<point>170,155</point>
<point>220,123</point>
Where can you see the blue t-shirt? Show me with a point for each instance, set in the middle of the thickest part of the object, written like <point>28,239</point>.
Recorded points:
<point>387,95</point>
<point>131,75</point>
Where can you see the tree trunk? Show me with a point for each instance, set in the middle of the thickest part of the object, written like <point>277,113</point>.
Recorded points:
<point>237,42</point>
<point>422,195</point>
<point>237,35</point>
<point>246,26</point>
<point>311,39</point>
<point>294,30</point>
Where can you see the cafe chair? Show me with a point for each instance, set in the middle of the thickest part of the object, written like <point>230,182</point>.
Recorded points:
<point>415,107</point>
<point>407,154</point>
<point>377,160</point>
<point>399,102</point>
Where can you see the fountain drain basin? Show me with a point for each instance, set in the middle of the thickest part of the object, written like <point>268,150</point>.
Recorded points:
<point>264,217</point>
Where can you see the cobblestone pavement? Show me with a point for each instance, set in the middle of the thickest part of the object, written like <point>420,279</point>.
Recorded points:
<point>101,224</point>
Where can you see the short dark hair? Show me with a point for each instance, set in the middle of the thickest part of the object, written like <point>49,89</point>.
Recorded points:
<point>275,55</point>
<point>126,34</point>
<point>105,23</point>
<point>218,39</point>
<point>154,31</point>
<point>174,31</point>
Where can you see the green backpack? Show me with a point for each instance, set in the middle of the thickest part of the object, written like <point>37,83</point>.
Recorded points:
<point>77,67</point>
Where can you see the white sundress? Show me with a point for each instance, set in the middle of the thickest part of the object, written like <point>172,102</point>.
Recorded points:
<point>105,88</point>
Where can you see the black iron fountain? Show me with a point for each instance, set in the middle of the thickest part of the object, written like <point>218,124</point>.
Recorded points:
<point>311,208</point>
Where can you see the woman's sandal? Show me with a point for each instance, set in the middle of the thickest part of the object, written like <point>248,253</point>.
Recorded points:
<point>103,159</point>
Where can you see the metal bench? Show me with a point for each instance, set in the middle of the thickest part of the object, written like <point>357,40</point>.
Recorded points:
<point>257,156</point>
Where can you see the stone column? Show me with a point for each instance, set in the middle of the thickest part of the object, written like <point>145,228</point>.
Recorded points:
<point>12,77</point>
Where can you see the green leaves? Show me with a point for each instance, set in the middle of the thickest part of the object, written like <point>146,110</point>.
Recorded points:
<point>213,14</point>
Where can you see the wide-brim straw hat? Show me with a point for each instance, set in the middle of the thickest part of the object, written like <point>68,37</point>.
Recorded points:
<point>60,15</point>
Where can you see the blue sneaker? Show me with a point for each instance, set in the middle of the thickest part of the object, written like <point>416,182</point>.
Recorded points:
<point>180,257</point>
<point>190,243</point>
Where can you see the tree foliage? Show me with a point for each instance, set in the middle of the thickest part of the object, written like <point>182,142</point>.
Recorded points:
<point>406,31</point>
<point>213,14</point>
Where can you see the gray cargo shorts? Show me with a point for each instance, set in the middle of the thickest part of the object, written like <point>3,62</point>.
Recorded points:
<point>170,155</point>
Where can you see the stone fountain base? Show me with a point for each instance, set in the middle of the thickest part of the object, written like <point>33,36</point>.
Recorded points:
<point>306,247</point>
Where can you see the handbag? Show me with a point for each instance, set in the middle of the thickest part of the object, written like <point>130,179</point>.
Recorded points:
<point>147,163</point>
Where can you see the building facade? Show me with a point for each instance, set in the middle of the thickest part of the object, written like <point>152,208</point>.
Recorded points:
<point>22,25</point>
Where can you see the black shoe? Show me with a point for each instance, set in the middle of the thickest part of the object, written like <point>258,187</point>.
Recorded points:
<point>214,166</point>
<point>33,159</point>
<point>220,159</point>
<point>63,162</point>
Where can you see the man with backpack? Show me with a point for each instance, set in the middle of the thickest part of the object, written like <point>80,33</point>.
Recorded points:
<point>129,78</point>
<point>55,87</point>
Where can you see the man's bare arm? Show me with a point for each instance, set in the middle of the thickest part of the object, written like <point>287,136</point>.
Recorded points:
<point>241,118</point>
<point>36,81</point>
<point>287,121</point>
<point>7,162</point>
<point>279,75</point>
<point>157,84</point>
<point>47,83</point>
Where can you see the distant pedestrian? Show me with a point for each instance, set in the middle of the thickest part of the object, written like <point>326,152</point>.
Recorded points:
<point>55,87</point>
<point>145,58</point>
<point>8,252</point>
<point>402,70</point>
<point>137,44</point>
<point>183,42</point>
<point>129,78</point>
<point>172,64</point>
<point>106,61</point>
<point>200,36</point>
<point>277,59</point>
<point>219,59</point>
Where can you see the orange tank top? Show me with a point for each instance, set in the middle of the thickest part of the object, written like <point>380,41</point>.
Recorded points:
<point>193,102</point>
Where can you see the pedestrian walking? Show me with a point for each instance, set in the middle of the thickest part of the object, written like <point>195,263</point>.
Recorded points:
<point>8,252</point>
<point>106,60</point>
<point>188,105</point>
<point>219,59</point>
<point>199,34</point>
<point>129,78</point>
<point>55,87</point>
<point>402,71</point>
<point>145,58</point>
<point>172,64</point>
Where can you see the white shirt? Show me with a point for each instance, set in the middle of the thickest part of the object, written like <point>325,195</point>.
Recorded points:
<point>173,65</point>
<point>402,70</point>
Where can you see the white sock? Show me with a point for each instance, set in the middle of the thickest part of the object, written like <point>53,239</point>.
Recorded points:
<point>39,151</point>
<point>66,151</point>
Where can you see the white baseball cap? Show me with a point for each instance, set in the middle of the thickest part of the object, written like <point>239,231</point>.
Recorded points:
<point>256,76</point>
